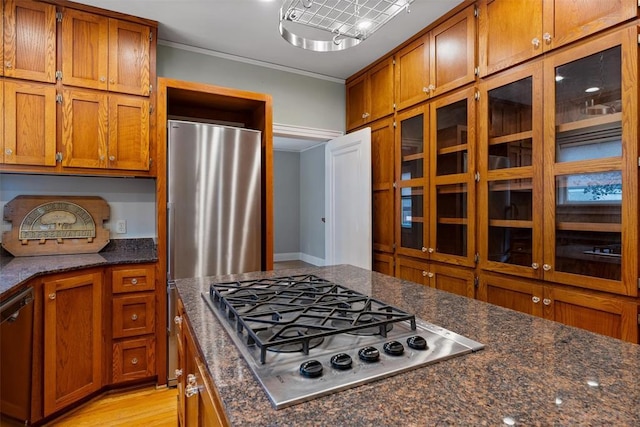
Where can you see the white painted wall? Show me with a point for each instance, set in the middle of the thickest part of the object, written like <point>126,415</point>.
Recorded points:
<point>130,199</point>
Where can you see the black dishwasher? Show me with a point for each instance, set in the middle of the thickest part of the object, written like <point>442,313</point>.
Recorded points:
<point>16,352</point>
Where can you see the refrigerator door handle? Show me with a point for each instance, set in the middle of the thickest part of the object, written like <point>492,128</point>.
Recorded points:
<point>171,228</point>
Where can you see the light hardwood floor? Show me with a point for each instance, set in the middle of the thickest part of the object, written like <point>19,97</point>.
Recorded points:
<point>138,407</point>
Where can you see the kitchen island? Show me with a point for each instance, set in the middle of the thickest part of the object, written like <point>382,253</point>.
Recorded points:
<point>531,372</point>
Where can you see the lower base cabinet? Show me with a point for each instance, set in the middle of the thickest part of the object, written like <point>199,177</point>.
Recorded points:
<point>613,316</point>
<point>198,403</point>
<point>73,338</point>
<point>457,280</point>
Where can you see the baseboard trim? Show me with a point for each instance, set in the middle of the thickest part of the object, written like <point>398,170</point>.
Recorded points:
<point>299,256</point>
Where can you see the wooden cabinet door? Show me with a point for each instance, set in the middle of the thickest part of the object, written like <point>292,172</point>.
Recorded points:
<point>451,183</point>
<point>567,21</point>
<point>509,32</point>
<point>458,281</point>
<point>380,90</point>
<point>412,270</point>
<point>29,40</point>
<point>510,156</point>
<point>84,129</point>
<point>129,57</point>
<point>128,145</point>
<point>73,338</point>
<point>29,123</point>
<point>357,102</point>
<point>617,318</point>
<point>412,73</point>
<point>591,188</point>
<point>516,294</point>
<point>383,263</point>
<point>453,52</point>
<point>209,406</point>
<point>412,171</point>
<point>382,177</point>
<point>85,49</point>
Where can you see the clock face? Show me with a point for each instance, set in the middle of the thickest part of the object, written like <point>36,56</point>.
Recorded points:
<point>57,220</point>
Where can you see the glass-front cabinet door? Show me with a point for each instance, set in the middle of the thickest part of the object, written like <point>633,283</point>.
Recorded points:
<point>451,179</point>
<point>510,166</point>
<point>591,169</point>
<point>411,193</point>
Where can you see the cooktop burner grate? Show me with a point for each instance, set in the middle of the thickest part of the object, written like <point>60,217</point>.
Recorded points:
<point>295,313</point>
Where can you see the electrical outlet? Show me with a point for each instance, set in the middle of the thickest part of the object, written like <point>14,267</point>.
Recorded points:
<point>121,226</point>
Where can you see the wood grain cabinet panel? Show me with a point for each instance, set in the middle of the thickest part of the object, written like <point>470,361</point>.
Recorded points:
<point>201,404</point>
<point>29,40</point>
<point>129,57</point>
<point>383,263</point>
<point>382,178</point>
<point>534,27</point>
<point>104,131</point>
<point>133,279</point>
<point>370,96</point>
<point>133,314</point>
<point>105,53</point>
<point>133,359</point>
<point>597,312</point>
<point>128,146</point>
<point>445,278</point>
<point>29,136</point>
<point>453,52</point>
<point>412,74</point>
<point>73,338</point>
<point>84,128</point>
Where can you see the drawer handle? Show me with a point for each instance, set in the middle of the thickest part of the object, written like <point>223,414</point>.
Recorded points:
<point>134,281</point>
<point>8,64</point>
<point>535,300</point>
<point>134,361</point>
<point>134,317</point>
<point>177,320</point>
<point>52,296</point>
<point>8,151</point>
<point>178,373</point>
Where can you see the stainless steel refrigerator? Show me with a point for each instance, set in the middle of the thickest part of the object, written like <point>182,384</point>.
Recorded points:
<point>213,207</point>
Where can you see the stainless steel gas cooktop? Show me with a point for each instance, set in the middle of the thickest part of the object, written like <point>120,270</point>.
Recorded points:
<point>305,337</point>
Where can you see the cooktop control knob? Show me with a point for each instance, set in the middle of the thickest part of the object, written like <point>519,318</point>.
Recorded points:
<point>369,354</point>
<point>394,348</point>
<point>341,361</point>
<point>311,369</point>
<point>417,342</point>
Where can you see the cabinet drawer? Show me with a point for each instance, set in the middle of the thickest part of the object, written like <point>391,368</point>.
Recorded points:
<point>133,315</point>
<point>133,279</point>
<point>133,359</point>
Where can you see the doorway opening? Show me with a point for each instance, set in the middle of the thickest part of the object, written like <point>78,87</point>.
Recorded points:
<point>298,177</point>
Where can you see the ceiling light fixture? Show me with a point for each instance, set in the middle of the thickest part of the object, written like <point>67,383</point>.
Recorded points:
<point>333,25</point>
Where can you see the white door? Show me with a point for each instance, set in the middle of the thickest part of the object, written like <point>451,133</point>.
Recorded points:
<point>348,200</point>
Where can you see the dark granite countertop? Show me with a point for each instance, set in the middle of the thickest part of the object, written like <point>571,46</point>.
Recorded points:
<point>531,372</point>
<point>16,271</point>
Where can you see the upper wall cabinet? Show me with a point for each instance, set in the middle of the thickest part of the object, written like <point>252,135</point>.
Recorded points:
<point>453,57</point>
<point>370,96</point>
<point>105,53</point>
<point>102,130</point>
<point>441,60</point>
<point>412,73</point>
<point>29,40</point>
<point>29,123</point>
<point>534,27</point>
